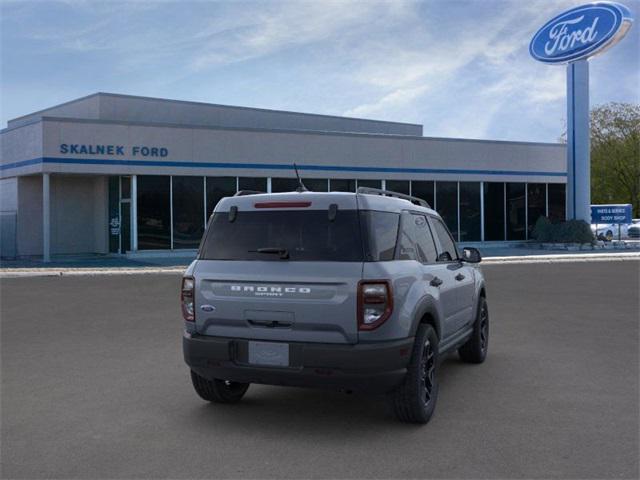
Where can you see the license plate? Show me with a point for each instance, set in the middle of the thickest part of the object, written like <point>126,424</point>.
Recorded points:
<point>269,353</point>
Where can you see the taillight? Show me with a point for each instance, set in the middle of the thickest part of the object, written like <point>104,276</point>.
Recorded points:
<point>186,298</point>
<point>375,303</point>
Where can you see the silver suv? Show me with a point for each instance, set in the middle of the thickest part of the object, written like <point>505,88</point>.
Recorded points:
<point>361,291</point>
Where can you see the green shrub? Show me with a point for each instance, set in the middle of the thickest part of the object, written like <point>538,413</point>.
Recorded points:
<point>572,231</point>
<point>542,231</point>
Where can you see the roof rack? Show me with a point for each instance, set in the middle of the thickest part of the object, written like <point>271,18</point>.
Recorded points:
<point>377,191</point>
<point>242,193</point>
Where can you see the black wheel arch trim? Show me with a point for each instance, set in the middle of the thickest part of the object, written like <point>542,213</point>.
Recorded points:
<point>481,292</point>
<point>427,306</point>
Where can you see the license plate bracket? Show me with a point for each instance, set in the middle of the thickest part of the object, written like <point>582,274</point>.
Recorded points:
<point>269,354</point>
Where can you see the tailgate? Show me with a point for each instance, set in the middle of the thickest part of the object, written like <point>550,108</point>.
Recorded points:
<point>280,301</point>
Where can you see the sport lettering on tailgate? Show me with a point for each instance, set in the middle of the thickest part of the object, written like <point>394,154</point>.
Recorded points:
<point>240,289</point>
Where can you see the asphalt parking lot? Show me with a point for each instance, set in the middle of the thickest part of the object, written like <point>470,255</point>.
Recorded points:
<point>94,386</point>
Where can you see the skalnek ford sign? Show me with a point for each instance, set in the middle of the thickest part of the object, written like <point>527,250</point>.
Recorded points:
<point>115,150</point>
<point>581,32</point>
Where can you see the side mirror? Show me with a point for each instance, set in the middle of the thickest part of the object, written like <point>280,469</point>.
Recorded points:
<point>471,255</point>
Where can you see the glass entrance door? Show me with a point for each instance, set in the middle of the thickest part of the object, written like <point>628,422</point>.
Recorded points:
<point>119,214</point>
<point>114,215</point>
<point>125,226</point>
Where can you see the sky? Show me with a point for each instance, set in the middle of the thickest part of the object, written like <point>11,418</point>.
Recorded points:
<point>460,68</point>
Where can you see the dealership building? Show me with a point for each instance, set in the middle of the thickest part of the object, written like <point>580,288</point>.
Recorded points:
<point>119,174</point>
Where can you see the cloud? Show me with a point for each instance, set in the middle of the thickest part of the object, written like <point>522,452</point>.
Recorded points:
<point>391,101</point>
<point>491,50</point>
<point>284,25</point>
<point>459,67</point>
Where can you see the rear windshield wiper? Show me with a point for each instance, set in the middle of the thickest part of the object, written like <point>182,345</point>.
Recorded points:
<point>283,252</point>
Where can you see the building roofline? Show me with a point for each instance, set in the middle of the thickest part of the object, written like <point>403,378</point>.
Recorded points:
<point>217,105</point>
<point>52,107</point>
<point>297,131</point>
<point>272,130</point>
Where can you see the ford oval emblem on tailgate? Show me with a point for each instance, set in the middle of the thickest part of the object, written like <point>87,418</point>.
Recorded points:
<point>208,308</point>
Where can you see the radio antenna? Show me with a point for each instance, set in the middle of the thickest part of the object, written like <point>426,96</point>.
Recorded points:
<point>301,187</point>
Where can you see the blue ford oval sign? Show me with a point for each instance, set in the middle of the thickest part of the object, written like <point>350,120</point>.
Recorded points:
<point>581,32</point>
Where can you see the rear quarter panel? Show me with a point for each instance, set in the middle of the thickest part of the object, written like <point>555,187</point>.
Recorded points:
<point>411,296</point>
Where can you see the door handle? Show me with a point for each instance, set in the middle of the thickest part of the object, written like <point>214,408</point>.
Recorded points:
<point>459,277</point>
<point>436,282</point>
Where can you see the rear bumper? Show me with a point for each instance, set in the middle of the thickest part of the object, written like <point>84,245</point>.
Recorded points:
<point>372,367</point>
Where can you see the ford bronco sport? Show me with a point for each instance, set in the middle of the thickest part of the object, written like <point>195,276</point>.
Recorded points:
<point>361,291</point>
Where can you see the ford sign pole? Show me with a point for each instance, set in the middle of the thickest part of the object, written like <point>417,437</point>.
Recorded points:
<point>578,142</point>
<point>571,38</point>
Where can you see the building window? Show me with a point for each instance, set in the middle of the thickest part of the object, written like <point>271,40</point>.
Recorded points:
<point>447,205</point>
<point>424,190</point>
<point>342,185</point>
<point>217,189</point>
<point>316,184</point>
<point>284,184</point>
<point>493,211</point>
<point>188,211</point>
<point>370,183</point>
<point>516,211</point>
<point>399,186</point>
<point>154,214</point>
<point>125,185</point>
<point>257,184</point>
<point>470,212</point>
<point>557,202</point>
<point>536,204</point>
<point>290,184</point>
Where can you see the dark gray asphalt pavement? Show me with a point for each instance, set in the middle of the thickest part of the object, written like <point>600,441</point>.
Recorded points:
<point>94,386</point>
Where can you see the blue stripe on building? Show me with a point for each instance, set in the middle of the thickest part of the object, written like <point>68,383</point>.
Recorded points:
<point>270,166</point>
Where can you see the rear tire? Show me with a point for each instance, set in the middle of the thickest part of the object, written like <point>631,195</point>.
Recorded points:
<point>475,349</point>
<point>415,400</point>
<point>218,391</point>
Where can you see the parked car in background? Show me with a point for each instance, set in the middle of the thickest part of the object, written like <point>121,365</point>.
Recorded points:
<point>609,231</point>
<point>634,229</point>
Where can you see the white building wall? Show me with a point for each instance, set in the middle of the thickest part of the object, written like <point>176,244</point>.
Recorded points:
<point>23,143</point>
<point>8,217</point>
<point>100,214</point>
<point>29,229</point>
<point>78,215</point>
<point>8,194</point>
<point>188,145</point>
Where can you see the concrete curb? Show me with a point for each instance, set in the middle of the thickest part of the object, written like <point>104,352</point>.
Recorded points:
<point>74,272</point>
<point>67,272</point>
<point>564,258</point>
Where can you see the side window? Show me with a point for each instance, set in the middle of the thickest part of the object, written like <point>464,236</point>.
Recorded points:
<point>416,242</point>
<point>380,231</point>
<point>407,240</point>
<point>448,247</point>
<point>426,245</point>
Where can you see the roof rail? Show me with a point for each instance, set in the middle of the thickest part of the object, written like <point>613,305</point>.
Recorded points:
<point>242,193</point>
<point>377,191</point>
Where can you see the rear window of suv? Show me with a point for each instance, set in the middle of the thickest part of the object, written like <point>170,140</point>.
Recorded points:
<point>307,235</point>
<point>304,235</point>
